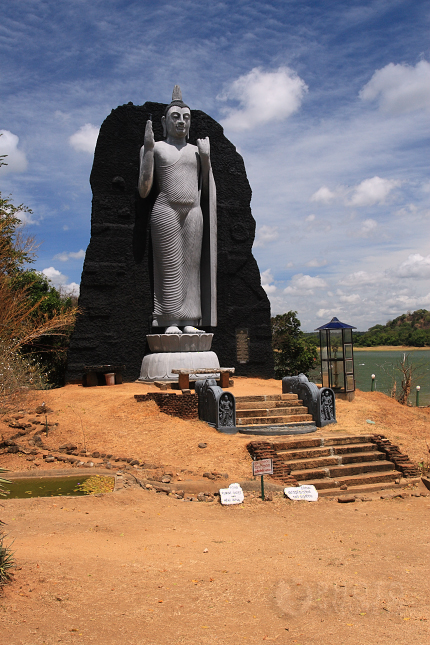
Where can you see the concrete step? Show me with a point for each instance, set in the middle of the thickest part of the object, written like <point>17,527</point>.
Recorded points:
<point>363,479</point>
<point>290,419</point>
<point>314,453</point>
<point>271,412</point>
<point>333,460</point>
<point>347,439</point>
<point>336,472</point>
<point>265,405</point>
<point>267,397</point>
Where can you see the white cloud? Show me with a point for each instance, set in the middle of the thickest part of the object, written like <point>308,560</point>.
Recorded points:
<point>372,191</point>
<point>325,313</point>
<point>352,298</point>
<point>266,279</point>
<point>323,195</point>
<point>263,97</point>
<point>360,278</point>
<point>27,218</point>
<point>310,218</point>
<point>415,266</point>
<point>265,235</point>
<point>85,139</point>
<point>56,277</point>
<point>400,88</point>
<point>59,280</point>
<point>316,263</point>
<point>368,228</point>
<point>16,160</point>
<point>64,257</point>
<point>304,284</point>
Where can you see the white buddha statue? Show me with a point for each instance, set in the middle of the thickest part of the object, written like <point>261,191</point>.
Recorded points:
<point>183,222</point>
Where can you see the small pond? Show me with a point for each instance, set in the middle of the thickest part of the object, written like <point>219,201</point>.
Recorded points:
<point>58,486</point>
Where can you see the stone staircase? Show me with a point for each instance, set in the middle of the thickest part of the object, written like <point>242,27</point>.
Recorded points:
<point>269,414</point>
<point>332,463</point>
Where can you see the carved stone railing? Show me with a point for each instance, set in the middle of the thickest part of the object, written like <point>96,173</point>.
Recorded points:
<point>216,407</point>
<point>320,402</point>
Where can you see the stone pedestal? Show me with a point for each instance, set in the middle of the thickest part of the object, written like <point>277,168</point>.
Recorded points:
<point>177,351</point>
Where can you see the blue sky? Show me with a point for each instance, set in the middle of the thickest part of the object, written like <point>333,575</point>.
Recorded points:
<point>328,103</point>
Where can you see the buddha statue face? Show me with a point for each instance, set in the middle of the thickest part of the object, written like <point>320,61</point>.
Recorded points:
<point>177,122</point>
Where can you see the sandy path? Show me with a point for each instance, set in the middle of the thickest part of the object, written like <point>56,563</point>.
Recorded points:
<point>130,567</point>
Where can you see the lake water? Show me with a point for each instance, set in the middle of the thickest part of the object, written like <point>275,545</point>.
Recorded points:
<point>383,364</point>
<point>72,485</point>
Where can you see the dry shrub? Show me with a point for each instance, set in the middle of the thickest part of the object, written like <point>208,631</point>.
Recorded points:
<point>22,321</point>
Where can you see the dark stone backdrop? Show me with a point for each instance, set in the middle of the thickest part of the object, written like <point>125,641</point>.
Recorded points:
<point>116,294</point>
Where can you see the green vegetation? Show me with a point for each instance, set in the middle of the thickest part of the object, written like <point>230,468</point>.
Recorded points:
<point>294,353</point>
<point>7,562</point>
<point>410,330</point>
<point>35,319</point>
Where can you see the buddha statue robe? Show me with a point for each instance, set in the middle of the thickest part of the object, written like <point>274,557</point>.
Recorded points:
<point>183,232</point>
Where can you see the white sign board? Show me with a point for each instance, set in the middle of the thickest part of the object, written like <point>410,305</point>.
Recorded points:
<point>308,492</point>
<point>262,467</point>
<point>231,495</point>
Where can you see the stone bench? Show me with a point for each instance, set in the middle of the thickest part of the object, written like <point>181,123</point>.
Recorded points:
<point>94,374</point>
<point>184,375</point>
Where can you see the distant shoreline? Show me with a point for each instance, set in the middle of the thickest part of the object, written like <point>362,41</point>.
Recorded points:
<point>390,348</point>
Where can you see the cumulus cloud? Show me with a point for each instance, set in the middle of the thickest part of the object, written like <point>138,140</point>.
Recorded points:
<point>400,88</point>
<point>16,160</point>
<point>26,218</point>
<point>415,266</point>
<point>265,235</point>
<point>360,278</point>
<point>325,313</point>
<point>60,281</point>
<point>369,192</point>
<point>316,263</point>
<point>304,284</point>
<point>372,191</point>
<point>266,279</point>
<point>351,299</point>
<point>310,218</point>
<point>323,195</point>
<point>85,139</point>
<point>368,228</point>
<point>263,97</point>
<point>64,257</point>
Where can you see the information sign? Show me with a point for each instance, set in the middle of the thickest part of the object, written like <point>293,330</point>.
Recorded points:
<point>231,495</point>
<point>306,492</point>
<point>262,467</point>
<point>242,345</point>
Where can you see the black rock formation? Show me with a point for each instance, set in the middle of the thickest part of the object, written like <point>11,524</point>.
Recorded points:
<point>116,294</point>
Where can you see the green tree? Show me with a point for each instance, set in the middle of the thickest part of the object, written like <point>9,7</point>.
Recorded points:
<point>50,351</point>
<point>32,312</point>
<point>294,353</point>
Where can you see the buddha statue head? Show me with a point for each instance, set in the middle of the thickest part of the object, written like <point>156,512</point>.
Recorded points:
<point>177,116</point>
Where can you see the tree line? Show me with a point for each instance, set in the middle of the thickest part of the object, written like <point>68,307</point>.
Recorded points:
<point>410,330</point>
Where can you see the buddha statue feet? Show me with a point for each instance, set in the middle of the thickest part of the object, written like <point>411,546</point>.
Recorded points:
<point>173,330</point>
<point>192,330</point>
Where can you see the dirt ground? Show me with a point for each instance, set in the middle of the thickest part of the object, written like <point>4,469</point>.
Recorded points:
<point>143,568</point>
<point>109,419</point>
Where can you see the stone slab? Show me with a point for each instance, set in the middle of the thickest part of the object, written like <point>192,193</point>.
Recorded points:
<point>116,286</point>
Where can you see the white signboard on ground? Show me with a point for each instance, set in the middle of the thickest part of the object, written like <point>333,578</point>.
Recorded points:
<point>307,492</point>
<point>231,495</point>
<point>262,467</point>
